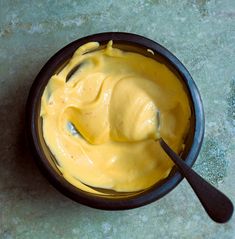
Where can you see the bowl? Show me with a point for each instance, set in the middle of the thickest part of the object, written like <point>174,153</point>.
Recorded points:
<point>46,161</point>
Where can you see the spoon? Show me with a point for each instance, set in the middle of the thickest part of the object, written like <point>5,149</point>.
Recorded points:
<point>217,205</point>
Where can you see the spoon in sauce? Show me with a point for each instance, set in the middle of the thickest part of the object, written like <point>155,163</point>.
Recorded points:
<point>218,206</point>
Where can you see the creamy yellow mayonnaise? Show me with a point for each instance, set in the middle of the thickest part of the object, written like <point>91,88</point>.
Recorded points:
<point>99,118</point>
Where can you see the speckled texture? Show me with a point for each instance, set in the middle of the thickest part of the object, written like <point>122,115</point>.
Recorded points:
<point>202,35</point>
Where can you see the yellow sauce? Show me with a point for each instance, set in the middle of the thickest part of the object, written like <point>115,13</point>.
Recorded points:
<point>100,122</point>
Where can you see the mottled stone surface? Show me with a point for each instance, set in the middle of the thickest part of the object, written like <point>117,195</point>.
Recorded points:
<point>202,35</point>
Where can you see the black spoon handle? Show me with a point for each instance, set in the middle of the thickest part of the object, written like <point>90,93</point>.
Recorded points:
<point>217,205</point>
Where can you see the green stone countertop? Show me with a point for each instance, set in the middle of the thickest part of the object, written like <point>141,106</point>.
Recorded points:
<point>200,33</point>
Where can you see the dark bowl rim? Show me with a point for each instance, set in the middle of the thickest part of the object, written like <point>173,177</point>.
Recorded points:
<point>69,190</point>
